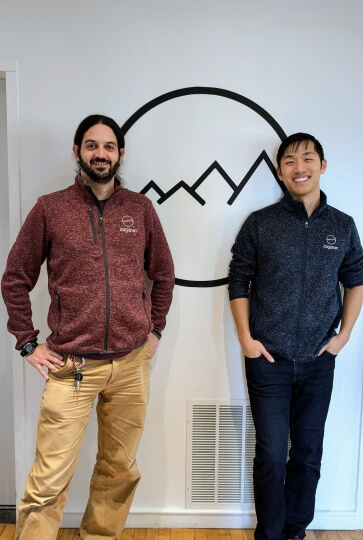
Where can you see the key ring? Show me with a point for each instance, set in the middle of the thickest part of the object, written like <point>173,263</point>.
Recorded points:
<point>77,375</point>
<point>79,366</point>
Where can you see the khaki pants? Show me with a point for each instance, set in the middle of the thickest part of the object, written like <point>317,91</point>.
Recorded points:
<point>122,387</point>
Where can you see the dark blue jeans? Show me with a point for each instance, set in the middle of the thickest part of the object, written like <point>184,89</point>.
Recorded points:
<point>288,397</point>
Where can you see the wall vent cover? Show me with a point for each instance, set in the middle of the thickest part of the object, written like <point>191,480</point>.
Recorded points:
<point>220,452</point>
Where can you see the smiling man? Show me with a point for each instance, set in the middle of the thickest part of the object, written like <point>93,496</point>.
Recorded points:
<point>289,260</point>
<point>105,327</point>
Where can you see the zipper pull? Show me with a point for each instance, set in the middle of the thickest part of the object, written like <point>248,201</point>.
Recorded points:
<point>306,224</point>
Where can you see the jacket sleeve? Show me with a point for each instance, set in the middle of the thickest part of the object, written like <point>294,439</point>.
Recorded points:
<point>351,270</point>
<point>21,275</point>
<point>160,269</point>
<point>243,266</point>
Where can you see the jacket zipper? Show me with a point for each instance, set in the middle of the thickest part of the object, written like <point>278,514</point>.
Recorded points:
<point>58,302</point>
<point>107,280</point>
<point>302,286</point>
<point>105,264</point>
<point>94,233</point>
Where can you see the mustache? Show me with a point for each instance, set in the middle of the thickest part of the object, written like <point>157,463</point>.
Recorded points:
<point>106,161</point>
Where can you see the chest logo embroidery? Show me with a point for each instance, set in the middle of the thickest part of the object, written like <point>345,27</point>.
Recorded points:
<point>128,225</point>
<point>330,242</point>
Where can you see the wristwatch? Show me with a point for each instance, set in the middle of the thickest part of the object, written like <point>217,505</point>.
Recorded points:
<point>28,348</point>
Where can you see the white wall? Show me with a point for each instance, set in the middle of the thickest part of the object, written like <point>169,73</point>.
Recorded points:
<point>299,60</point>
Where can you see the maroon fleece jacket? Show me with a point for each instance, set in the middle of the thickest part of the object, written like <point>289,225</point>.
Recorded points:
<point>95,263</point>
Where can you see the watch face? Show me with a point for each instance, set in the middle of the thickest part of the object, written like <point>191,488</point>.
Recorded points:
<point>28,348</point>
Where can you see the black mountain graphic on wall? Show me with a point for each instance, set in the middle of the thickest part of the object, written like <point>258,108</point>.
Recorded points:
<point>192,190</point>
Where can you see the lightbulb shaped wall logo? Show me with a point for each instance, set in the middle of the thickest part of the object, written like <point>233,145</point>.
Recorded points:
<point>204,157</point>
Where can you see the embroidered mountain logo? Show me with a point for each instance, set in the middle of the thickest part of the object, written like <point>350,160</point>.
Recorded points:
<point>204,156</point>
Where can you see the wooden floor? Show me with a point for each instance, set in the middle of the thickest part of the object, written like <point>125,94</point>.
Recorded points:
<point>7,533</point>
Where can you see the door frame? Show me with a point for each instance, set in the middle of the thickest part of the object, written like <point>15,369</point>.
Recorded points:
<point>9,72</point>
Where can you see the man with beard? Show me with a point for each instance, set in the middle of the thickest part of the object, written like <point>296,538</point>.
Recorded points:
<point>98,238</point>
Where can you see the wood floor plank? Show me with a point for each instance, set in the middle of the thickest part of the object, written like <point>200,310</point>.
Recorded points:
<point>344,535</point>
<point>188,534</point>
<point>140,534</point>
<point>176,534</point>
<point>321,535</point>
<point>69,534</point>
<point>310,535</point>
<point>356,535</point>
<point>200,534</point>
<point>237,534</point>
<point>152,534</point>
<point>249,534</point>
<point>224,534</point>
<point>128,534</point>
<point>8,533</point>
<point>164,534</point>
<point>212,534</point>
<point>332,535</point>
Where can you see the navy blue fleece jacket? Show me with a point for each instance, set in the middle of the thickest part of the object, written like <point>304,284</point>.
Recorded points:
<point>291,267</point>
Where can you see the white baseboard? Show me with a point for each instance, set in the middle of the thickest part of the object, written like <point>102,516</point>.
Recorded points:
<point>338,520</point>
<point>204,519</point>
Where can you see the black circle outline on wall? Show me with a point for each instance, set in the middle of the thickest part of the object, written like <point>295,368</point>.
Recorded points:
<point>204,90</point>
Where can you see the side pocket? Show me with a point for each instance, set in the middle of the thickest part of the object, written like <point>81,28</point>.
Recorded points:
<point>145,310</point>
<point>329,354</point>
<point>253,317</point>
<point>63,371</point>
<point>58,302</point>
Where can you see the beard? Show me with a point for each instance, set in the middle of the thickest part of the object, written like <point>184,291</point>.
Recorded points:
<point>97,175</point>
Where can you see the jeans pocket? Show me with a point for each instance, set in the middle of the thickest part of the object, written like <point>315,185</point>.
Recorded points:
<point>62,371</point>
<point>329,354</point>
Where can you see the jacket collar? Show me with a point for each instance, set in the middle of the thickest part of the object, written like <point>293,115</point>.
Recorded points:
<point>86,190</point>
<point>292,205</point>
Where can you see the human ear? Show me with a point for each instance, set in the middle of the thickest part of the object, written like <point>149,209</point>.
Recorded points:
<point>76,152</point>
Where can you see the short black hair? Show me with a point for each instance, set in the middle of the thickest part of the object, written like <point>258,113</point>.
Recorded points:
<point>94,119</point>
<point>294,141</point>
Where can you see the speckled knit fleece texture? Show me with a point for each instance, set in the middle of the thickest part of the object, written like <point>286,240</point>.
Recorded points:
<point>99,301</point>
<point>294,265</point>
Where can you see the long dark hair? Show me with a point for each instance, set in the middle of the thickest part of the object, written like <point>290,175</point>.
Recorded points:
<point>94,119</point>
